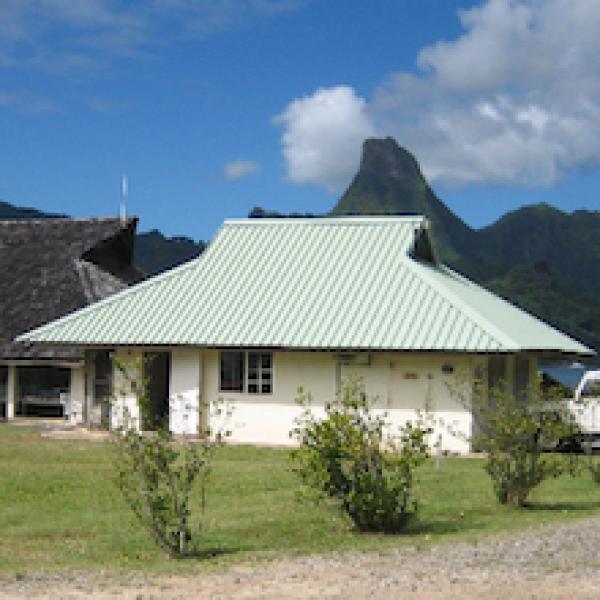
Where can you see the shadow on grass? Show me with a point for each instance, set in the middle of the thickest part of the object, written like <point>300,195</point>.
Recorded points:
<point>416,527</point>
<point>560,506</point>
<point>208,553</point>
<point>441,527</point>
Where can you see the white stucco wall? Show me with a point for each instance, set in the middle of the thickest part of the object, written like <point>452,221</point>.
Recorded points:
<point>410,386</point>
<point>125,410</point>
<point>268,418</point>
<point>403,384</point>
<point>185,392</point>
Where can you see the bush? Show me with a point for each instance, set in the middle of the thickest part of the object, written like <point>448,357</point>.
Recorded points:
<point>516,434</point>
<point>350,457</point>
<point>157,474</point>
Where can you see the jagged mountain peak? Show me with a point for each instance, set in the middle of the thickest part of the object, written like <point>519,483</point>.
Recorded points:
<point>385,158</point>
<point>389,181</point>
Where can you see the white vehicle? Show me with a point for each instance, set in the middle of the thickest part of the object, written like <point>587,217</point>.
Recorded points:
<point>582,405</point>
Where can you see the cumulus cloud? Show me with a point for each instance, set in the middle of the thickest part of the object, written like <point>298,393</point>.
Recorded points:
<point>514,99</point>
<point>240,169</point>
<point>323,136</point>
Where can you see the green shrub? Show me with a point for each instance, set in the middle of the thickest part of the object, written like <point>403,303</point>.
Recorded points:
<point>517,432</point>
<point>157,473</point>
<point>156,476</point>
<point>351,456</point>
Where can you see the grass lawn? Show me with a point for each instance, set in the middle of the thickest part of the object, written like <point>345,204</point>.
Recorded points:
<point>59,509</point>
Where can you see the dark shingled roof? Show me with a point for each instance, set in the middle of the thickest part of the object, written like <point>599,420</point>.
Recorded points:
<point>51,267</point>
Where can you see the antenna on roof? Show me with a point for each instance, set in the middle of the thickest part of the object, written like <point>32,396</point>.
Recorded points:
<point>124,193</point>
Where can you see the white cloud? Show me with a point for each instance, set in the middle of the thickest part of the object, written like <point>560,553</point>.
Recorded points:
<point>240,169</point>
<point>323,136</point>
<point>515,99</point>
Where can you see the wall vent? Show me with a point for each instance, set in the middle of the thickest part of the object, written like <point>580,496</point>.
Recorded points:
<point>356,359</point>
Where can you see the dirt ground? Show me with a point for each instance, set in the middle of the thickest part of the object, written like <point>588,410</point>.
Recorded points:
<point>558,562</point>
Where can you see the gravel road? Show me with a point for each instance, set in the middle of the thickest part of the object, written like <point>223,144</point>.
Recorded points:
<point>554,562</point>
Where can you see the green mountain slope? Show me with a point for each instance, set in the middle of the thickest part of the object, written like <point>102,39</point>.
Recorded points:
<point>537,289</point>
<point>155,253</point>
<point>568,242</point>
<point>10,211</point>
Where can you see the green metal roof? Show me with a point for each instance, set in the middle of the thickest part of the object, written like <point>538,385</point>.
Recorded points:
<point>336,283</point>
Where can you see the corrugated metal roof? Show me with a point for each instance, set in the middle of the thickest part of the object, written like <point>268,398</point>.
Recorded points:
<point>338,283</point>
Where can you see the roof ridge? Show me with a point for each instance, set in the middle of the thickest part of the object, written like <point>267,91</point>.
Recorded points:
<point>320,221</point>
<point>52,219</point>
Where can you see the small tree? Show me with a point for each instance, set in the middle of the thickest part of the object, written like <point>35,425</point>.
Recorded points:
<point>516,432</point>
<point>351,456</point>
<point>157,474</point>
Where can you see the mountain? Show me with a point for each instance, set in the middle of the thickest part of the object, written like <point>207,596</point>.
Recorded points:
<point>568,242</point>
<point>538,257</point>
<point>389,181</point>
<point>9,211</point>
<point>155,253</point>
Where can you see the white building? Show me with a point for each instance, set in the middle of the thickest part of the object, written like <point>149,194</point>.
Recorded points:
<point>277,304</point>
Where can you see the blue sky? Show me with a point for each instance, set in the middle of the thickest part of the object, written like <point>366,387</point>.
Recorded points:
<point>215,107</point>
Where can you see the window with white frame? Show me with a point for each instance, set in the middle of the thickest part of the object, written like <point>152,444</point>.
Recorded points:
<point>250,372</point>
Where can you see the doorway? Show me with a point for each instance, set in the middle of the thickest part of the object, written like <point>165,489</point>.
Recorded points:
<point>157,368</point>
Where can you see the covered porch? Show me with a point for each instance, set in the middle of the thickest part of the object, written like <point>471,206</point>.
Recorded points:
<point>73,391</point>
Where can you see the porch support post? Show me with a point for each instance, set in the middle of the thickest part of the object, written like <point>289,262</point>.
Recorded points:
<point>511,374</point>
<point>76,394</point>
<point>533,369</point>
<point>90,388</point>
<point>11,392</point>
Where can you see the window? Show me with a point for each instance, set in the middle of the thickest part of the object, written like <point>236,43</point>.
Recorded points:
<point>591,389</point>
<point>260,370</point>
<point>250,372</point>
<point>232,371</point>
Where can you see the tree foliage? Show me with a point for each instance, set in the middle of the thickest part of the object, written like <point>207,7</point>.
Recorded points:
<point>351,455</point>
